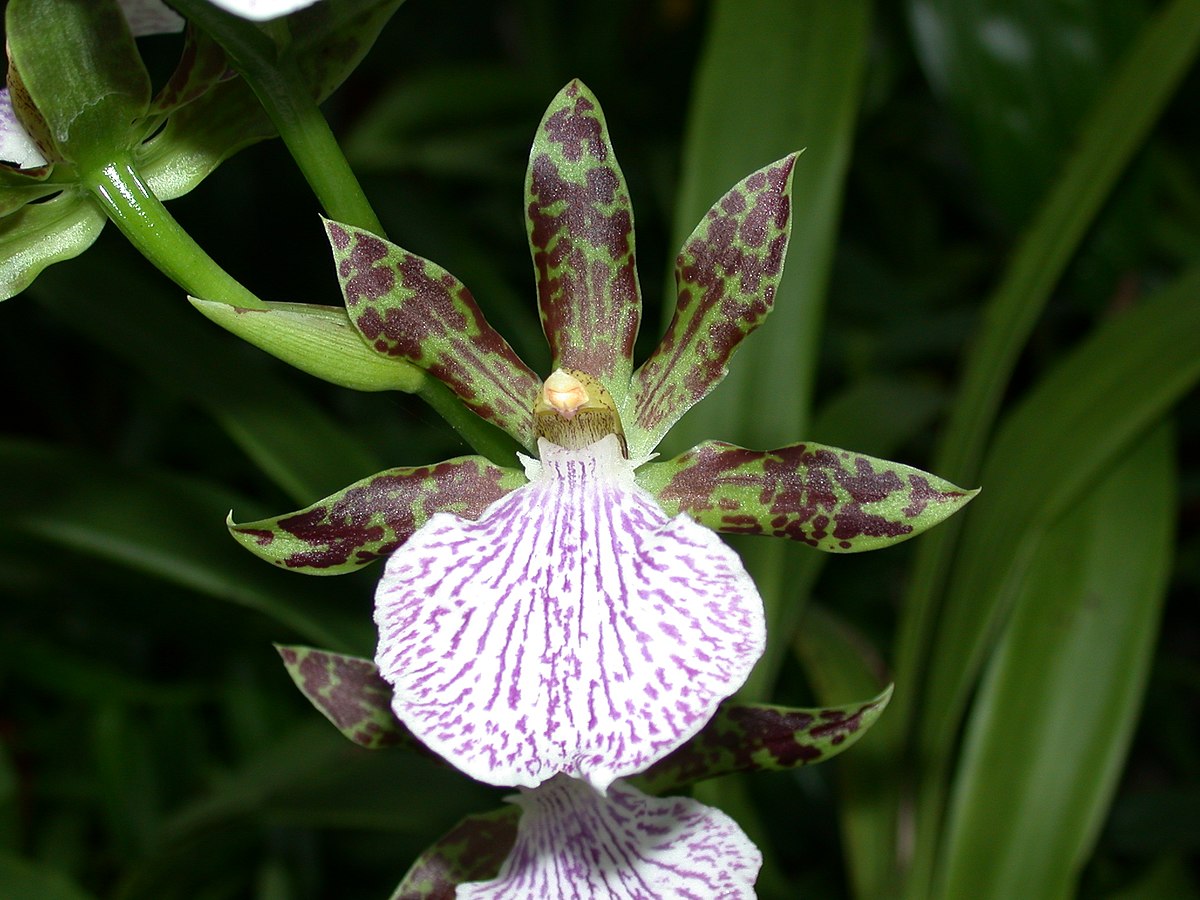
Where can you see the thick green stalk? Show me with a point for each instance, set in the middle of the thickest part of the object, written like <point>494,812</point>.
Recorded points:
<point>313,146</point>
<point>142,218</point>
<point>277,82</point>
<point>484,437</point>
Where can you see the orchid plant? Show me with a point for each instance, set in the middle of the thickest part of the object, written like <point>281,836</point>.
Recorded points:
<point>557,612</point>
<point>569,623</point>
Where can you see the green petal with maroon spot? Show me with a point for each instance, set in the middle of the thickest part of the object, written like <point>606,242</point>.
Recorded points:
<point>349,693</point>
<point>473,850</point>
<point>202,65</point>
<point>580,225</point>
<point>408,307</point>
<point>752,737</point>
<point>373,517</point>
<point>828,498</point>
<point>725,275</point>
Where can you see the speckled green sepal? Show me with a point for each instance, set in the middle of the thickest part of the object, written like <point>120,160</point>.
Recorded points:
<point>831,499</point>
<point>349,693</point>
<point>580,225</point>
<point>726,275</point>
<point>752,737</point>
<point>373,517</point>
<point>408,307</point>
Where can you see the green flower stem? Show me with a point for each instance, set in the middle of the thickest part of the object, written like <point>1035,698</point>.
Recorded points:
<point>280,88</point>
<point>142,218</point>
<point>316,151</point>
<point>485,438</point>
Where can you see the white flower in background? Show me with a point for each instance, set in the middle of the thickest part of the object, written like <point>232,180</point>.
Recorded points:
<point>260,10</point>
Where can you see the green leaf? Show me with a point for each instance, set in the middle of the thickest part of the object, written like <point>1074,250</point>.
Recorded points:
<point>1052,722</point>
<point>726,276</point>
<point>831,499</point>
<point>473,850</point>
<point>408,307</point>
<point>82,71</point>
<point>348,691</point>
<point>1112,132</point>
<point>319,340</point>
<point>1115,127</point>
<point>580,225</point>
<point>165,526</point>
<point>1017,76</point>
<point>841,663</point>
<point>756,737</point>
<point>41,234</point>
<point>373,517</point>
<point>1051,450</point>
<point>22,879</point>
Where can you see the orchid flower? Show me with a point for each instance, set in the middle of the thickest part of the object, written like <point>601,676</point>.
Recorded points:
<point>575,616</point>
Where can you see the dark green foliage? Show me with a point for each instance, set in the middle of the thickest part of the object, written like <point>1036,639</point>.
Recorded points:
<point>153,746</point>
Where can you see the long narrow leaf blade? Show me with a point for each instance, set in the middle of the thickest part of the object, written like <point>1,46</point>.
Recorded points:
<point>1057,707</point>
<point>1050,450</point>
<point>165,526</point>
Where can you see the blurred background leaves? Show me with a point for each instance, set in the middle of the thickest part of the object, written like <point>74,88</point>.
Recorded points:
<point>151,745</point>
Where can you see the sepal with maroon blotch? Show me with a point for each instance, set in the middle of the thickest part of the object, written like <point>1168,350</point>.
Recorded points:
<point>580,225</point>
<point>408,307</point>
<point>831,499</point>
<point>740,737</point>
<point>348,691</point>
<point>373,517</point>
<point>726,275</point>
<point>748,737</point>
<point>473,850</point>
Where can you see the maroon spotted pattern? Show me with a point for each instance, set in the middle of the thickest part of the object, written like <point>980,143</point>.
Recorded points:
<point>580,225</point>
<point>726,276</point>
<point>408,307</point>
<point>373,517</point>
<point>821,496</point>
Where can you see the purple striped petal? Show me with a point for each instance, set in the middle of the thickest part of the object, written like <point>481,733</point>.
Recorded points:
<point>573,628</point>
<point>575,842</point>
